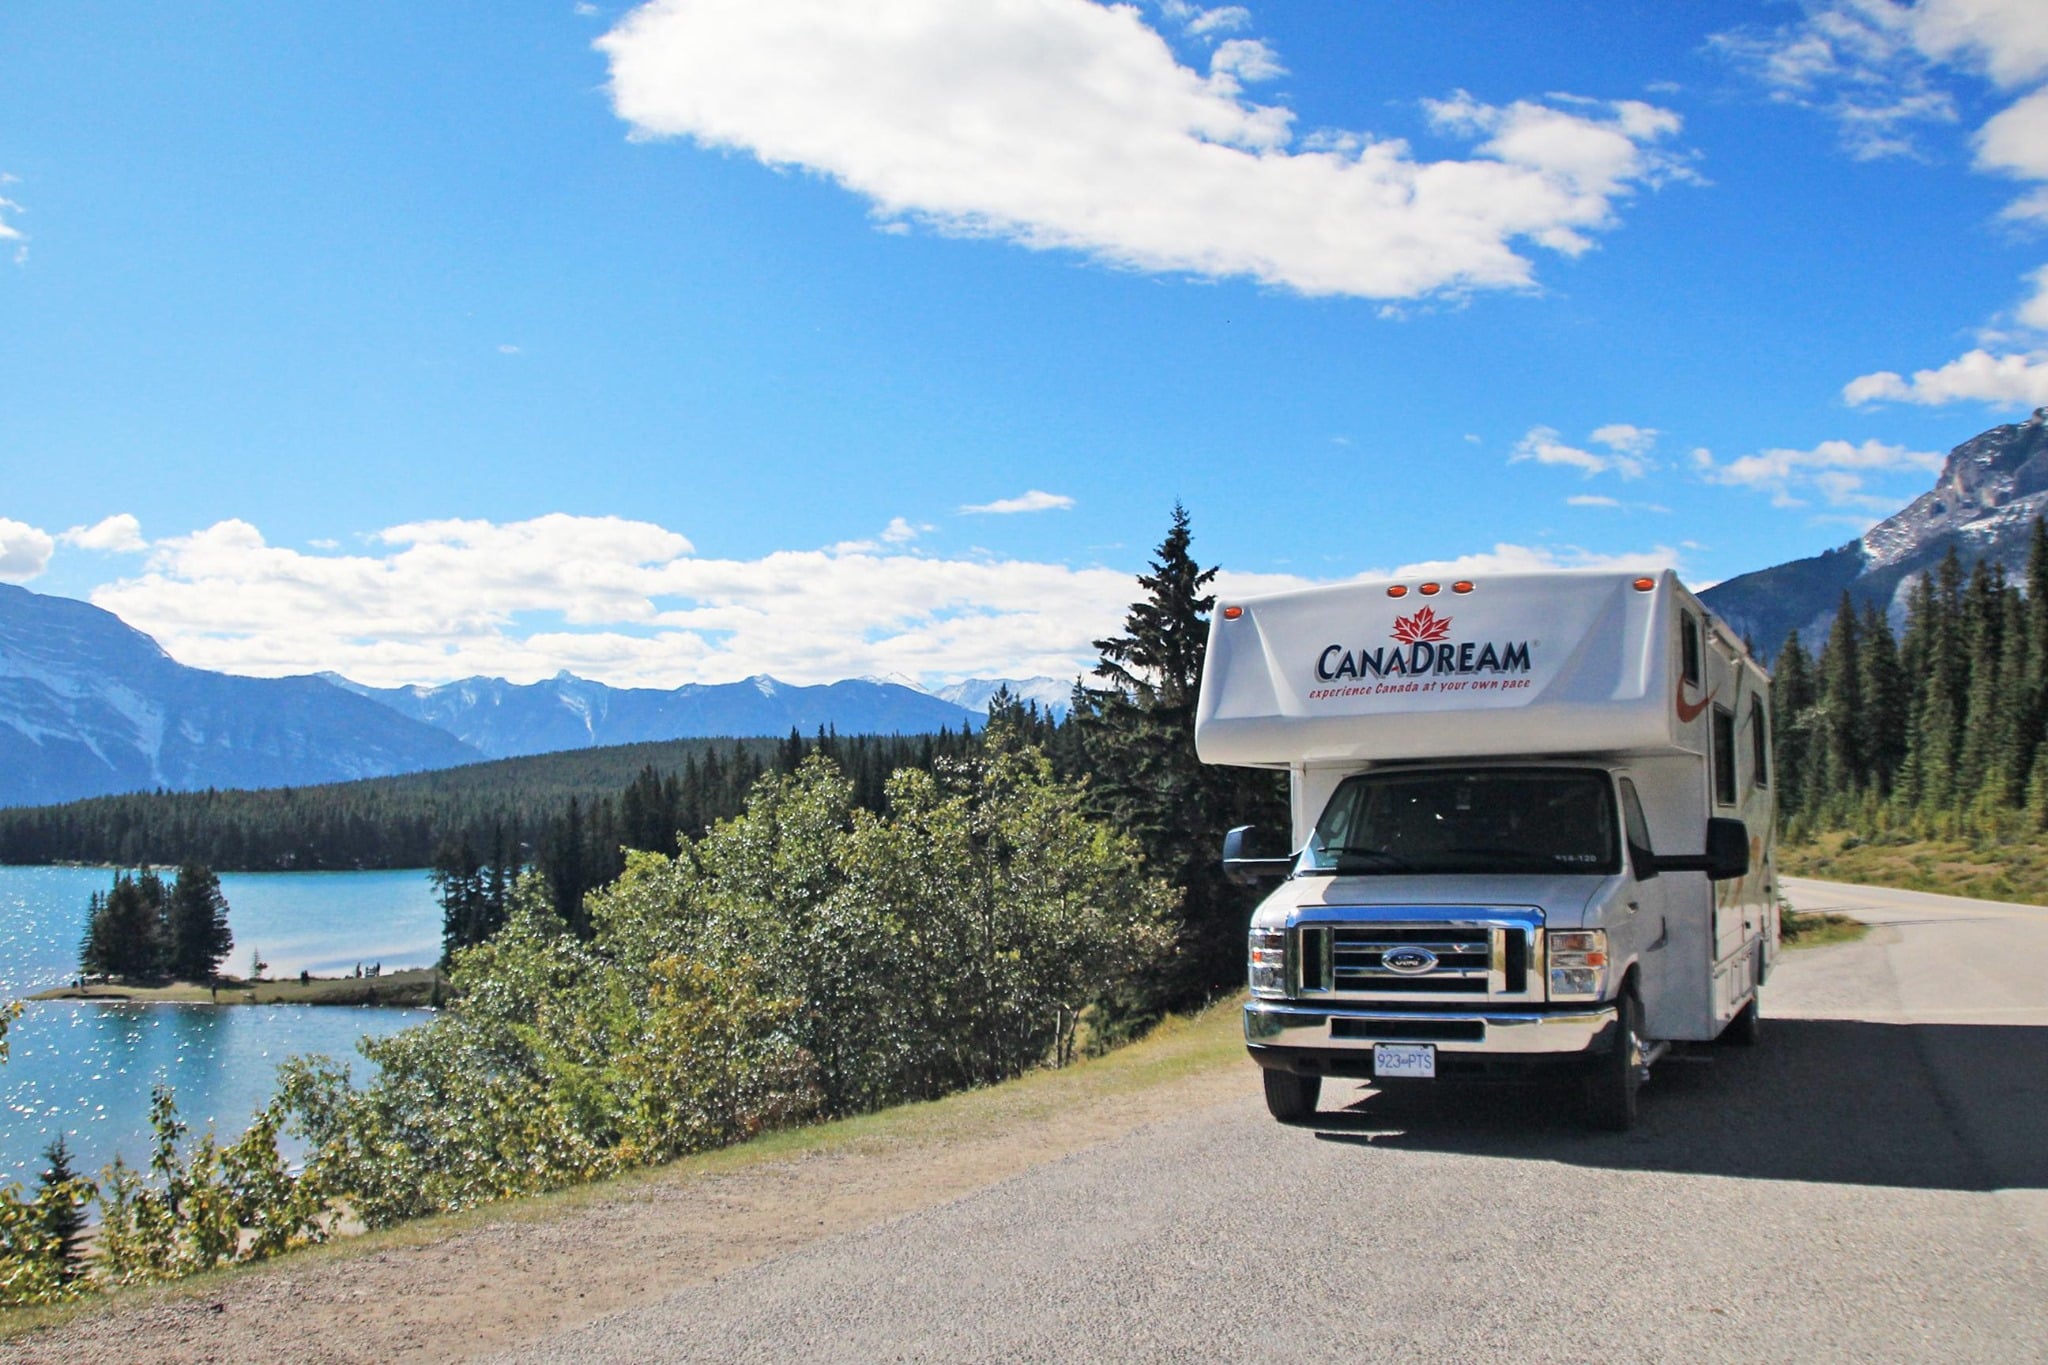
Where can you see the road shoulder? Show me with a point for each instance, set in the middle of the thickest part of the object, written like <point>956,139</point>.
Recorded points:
<point>452,1288</point>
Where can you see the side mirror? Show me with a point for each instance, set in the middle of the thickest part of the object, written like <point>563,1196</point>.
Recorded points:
<point>1250,871</point>
<point>1727,855</point>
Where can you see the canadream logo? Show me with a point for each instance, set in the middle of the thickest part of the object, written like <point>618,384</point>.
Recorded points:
<point>1422,645</point>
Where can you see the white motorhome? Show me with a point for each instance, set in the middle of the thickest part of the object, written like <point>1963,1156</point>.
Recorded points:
<point>1531,832</point>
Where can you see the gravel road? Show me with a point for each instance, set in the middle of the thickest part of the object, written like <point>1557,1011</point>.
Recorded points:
<point>1871,1184</point>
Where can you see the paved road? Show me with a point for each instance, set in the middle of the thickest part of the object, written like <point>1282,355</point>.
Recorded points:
<point>1871,1184</point>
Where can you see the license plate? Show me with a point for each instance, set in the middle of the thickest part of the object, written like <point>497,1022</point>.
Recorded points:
<point>1403,1059</point>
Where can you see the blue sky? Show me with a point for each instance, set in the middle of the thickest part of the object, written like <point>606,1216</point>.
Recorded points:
<point>829,338</point>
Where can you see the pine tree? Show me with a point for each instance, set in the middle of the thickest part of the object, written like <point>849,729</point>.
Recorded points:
<point>123,936</point>
<point>1137,733</point>
<point>1837,769</point>
<point>1792,694</point>
<point>60,1206</point>
<point>1886,703</point>
<point>196,937</point>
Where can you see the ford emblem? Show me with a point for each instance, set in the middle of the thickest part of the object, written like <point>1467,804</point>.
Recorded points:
<point>1409,961</point>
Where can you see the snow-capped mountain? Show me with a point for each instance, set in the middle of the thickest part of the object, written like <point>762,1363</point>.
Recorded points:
<point>90,706</point>
<point>1984,504</point>
<point>1052,695</point>
<point>504,720</point>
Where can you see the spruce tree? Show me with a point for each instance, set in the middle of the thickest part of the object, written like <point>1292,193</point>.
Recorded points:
<point>196,937</point>
<point>60,1207</point>
<point>1791,722</point>
<point>1837,768</point>
<point>123,936</point>
<point>1137,732</point>
<point>1885,701</point>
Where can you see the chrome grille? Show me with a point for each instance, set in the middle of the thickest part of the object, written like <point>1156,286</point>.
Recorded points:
<point>1471,955</point>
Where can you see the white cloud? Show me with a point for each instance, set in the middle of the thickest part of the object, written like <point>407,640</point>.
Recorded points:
<point>1591,500</point>
<point>1623,437</point>
<point>8,231</point>
<point>2015,143</point>
<point>1507,558</point>
<point>118,534</point>
<point>1836,471</point>
<point>1544,446</point>
<point>2034,311</point>
<point>2001,380</point>
<point>1033,501</point>
<point>901,531</point>
<point>24,551</point>
<point>1065,124</point>
<point>508,348</point>
<point>1245,59</point>
<point>1200,21</point>
<point>623,601</point>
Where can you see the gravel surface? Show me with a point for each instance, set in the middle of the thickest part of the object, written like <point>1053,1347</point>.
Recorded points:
<point>1862,1187</point>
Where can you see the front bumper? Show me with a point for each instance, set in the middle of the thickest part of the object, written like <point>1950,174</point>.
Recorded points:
<point>1322,1040</point>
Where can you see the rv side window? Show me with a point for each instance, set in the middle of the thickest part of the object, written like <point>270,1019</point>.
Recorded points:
<point>1689,643</point>
<point>1724,756</point>
<point>1760,745</point>
<point>1641,857</point>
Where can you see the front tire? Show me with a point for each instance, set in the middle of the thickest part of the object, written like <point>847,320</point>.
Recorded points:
<point>1617,1076</point>
<point>1291,1098</point>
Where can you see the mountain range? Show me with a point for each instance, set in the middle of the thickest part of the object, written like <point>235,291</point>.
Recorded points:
<point>1983,505</point>
<point>499,719</point>
<point>90,706</point>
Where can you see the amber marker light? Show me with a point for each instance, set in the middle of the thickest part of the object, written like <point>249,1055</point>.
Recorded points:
<point>1431,589</point>
<point>1461,586</point>
<point>1232,613</point>
<point>1397,591</point>
<point>1645,584</point>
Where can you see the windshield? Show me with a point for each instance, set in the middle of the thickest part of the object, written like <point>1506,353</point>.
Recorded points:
<point>1546,820</point>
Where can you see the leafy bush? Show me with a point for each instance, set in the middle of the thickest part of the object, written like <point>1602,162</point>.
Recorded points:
<point>804,957</point>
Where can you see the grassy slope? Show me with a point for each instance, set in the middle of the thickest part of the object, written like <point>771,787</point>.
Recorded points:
<point>1995,871</point>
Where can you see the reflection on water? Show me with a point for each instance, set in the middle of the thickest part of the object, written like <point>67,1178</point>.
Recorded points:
<point>86,1070</point>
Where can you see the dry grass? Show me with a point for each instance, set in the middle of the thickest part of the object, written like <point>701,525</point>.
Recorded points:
<point>1983,870</point>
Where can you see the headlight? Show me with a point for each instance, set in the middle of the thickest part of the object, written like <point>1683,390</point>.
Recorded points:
<point>1578,963</point>
<point>1268,961</point>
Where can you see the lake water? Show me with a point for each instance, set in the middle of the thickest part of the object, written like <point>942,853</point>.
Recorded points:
<point>86,1070</point>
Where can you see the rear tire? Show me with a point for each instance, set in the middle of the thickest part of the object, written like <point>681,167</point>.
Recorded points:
<point>1746,1029</point>
<point>1291,1098</point>
<point>1617,1075</point>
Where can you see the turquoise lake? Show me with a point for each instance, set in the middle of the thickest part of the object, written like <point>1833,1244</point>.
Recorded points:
<point>86,1070</point>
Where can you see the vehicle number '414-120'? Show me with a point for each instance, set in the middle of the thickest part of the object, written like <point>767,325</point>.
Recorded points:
<point>1403,1059</point>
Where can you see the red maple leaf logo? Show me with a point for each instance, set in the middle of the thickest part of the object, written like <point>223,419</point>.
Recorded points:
<point>1425,625</point>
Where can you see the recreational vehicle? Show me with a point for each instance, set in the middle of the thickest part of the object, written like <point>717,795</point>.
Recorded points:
<point>1531,830</point>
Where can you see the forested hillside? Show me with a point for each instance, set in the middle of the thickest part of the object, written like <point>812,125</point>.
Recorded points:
<point>1937,732</point>
<point>405,821</point>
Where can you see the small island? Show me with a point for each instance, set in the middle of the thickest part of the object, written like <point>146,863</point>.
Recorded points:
<point>155,940</point>
<point>413,986</point>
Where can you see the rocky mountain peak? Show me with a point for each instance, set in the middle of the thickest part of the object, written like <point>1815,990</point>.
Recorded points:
<point>1995,479</point>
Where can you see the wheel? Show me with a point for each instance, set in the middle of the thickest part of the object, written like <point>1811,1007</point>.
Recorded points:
<point>1291,1098</point>
<point>1617,1074</point>
<point>1746,1029</point>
